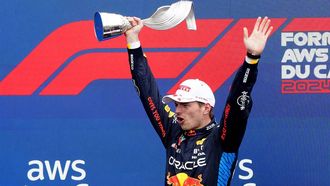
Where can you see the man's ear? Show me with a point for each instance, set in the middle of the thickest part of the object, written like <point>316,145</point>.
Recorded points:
<point>207,108</point>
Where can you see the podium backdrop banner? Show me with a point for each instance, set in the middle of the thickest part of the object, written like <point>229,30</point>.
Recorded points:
<point>70,115</point>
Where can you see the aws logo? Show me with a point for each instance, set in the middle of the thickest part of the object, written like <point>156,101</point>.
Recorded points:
<point>48,171</point>
<point>70,58</point>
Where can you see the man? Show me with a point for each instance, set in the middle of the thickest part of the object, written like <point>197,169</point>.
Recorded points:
<point>198,150</point>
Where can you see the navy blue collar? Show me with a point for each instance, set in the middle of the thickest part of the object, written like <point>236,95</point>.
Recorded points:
<point>203,130</point>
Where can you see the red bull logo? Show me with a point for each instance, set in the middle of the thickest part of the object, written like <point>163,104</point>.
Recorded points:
<point>182,179</point>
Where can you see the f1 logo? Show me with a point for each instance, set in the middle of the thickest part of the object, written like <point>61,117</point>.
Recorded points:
<point>70,58</point>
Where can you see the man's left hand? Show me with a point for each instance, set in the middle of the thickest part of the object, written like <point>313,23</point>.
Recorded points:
<point>256,42</point>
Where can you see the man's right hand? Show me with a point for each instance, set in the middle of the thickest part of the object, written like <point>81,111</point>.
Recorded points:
<point>132,35</point>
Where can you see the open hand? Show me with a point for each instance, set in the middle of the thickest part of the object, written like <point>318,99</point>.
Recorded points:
<point>256,42</point>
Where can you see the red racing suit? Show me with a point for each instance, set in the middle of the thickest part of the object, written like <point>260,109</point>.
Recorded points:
<point>204,156</point>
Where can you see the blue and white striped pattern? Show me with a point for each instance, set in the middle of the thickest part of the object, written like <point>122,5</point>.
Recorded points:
<point>226,163</point>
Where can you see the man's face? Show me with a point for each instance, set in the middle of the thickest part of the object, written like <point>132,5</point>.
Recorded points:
<point>190,115</point>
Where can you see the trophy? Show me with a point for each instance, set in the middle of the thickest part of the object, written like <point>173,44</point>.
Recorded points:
<point>109,25</point>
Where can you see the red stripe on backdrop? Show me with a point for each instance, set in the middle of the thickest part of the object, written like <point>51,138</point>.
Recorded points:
<point>48,56</point>
<point>225,57</point>
<point>178,37</point>
<point>95,66</point>
<point>72,38</point>
<point>308,24</point>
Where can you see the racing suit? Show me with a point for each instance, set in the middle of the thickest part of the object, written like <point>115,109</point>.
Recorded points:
<point>204,156</point>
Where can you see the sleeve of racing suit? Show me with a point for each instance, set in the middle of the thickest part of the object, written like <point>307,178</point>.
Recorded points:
<point>234,120</point>
<point>159,113</point>
<point>238,107</point>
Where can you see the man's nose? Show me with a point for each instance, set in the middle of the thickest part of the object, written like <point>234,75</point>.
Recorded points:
<point>178,109</point>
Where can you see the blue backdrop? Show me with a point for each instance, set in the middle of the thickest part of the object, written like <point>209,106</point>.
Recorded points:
<point>100,135</point>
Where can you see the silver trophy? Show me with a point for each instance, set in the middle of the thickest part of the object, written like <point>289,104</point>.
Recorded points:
<point>109,25</point>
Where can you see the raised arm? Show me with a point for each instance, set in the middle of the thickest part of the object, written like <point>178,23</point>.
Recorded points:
<point>239,101</point>
<point>145,83</point>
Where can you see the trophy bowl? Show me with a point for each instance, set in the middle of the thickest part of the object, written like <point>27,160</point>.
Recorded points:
<point>109,25</point>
